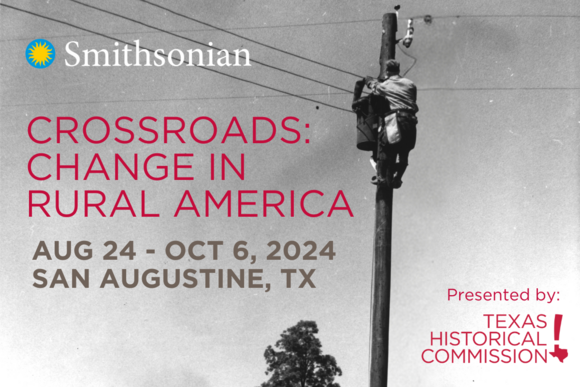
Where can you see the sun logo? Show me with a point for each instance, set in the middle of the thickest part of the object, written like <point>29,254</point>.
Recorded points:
<point>40,53</point>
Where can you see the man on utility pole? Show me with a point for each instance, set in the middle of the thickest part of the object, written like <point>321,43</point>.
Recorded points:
<point>398,130</point>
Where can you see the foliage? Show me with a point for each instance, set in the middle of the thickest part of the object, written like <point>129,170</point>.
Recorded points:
<point>299,361</point>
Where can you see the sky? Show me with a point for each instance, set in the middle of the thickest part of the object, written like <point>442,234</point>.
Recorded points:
<point>489,201</point>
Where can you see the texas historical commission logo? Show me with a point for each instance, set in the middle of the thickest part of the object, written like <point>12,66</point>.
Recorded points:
<point>40,53</point>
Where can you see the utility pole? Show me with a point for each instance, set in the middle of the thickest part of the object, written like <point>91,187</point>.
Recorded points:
<point>383,230</point>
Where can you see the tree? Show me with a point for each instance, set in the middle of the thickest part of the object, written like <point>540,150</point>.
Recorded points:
<point>299,361</point>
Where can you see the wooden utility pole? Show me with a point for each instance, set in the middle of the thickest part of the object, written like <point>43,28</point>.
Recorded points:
<point>383,227</point>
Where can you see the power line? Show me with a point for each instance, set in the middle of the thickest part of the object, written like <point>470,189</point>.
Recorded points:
<point>495,88</point>
<point>212,29</point>
<point>310,24</point>
<point>250,40</point>
<point>281,96</point>
<point>207,45</point>
<point>496,16</point>
<point>307,24</point>
<point>152,51</point>
<point>410,56</point>
<point>169,99</point>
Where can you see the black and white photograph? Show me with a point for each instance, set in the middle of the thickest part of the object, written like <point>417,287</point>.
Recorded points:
<point>267,193</point>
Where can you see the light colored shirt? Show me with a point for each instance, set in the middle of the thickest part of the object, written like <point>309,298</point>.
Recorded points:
<point>401,93</point>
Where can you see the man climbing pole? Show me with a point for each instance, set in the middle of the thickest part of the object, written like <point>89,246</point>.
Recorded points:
<point>398,124</point>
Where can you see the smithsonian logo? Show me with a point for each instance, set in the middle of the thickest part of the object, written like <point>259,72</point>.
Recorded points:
<point>40,53</point>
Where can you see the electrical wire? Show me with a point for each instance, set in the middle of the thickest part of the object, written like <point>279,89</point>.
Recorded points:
<point>495,16</point>
<point>152,51</point>
<point>494,88</point>
<point>169,99</point>
<point>207,45</point>
<point>213,29</point>
<point>410,56</point>
<point>251,40</point>
<point>301,25</point>
<point>315,24</point>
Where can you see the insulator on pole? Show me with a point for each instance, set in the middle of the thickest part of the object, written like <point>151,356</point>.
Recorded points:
<point>408,39</point>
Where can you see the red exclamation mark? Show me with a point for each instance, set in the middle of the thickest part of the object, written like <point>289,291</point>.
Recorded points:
<point>557,324</point>
<point>560,353</point>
